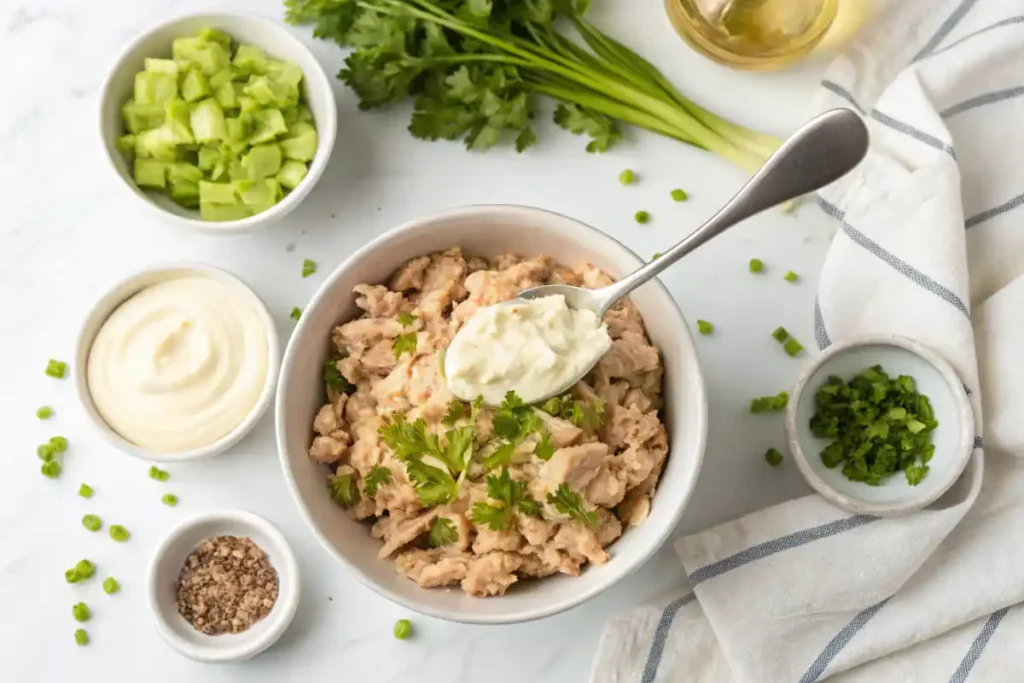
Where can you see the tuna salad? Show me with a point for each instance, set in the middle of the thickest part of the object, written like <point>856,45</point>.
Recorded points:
<point>481,497</point>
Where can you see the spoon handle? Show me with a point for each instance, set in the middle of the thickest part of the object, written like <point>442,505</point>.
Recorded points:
<point>822,150</point>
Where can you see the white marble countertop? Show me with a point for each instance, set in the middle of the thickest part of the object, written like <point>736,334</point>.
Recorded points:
<point>67,232</point>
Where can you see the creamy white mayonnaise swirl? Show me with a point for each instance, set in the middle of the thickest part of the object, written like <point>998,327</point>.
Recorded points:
<point>180,364</point>
<point>531,347</point>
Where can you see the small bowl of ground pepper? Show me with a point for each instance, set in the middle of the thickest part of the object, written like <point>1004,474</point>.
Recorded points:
<point>223,586</point>
<point>880,425</point>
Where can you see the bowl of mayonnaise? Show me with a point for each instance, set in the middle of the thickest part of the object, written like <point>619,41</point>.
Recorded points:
<point>177,362</point>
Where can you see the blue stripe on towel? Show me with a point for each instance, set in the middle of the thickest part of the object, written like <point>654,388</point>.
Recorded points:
<point>909,130</point>
<point>999,24</point>
<point>767,548</point>
<point>660,636</point>
<point>836,645</point>
<point>842,92</point>
<point>978,442</point>
<point>978,646</point>
<point>995,211</point>
<point>945,29</point>
<point>820,333</point>
<point>982,100</point>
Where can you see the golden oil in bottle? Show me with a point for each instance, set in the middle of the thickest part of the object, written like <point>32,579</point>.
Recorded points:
<point>753,34</point>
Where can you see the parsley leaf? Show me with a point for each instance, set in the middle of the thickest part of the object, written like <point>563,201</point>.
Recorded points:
<point>589,416</point>
<point>570,502</point>
<point>582,121</point>
<point>335,380</point>
<point>442,532</point>
<point>344,491</point>
<point>508,495</point>
<point>495,515</point>
<point>404,343</point>
<point>407,319</point>
<point>408,440</point>
<point>545,449</point>
<point>433,485</point>
<point>456,410</point>
<point>375,478</point>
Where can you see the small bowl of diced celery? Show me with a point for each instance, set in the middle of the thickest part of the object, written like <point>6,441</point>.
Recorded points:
<point>222,121</point>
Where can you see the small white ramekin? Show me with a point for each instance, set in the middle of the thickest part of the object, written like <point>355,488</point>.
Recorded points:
<point>252,29</point>
<point>166,565</point>
<point>127,288</point>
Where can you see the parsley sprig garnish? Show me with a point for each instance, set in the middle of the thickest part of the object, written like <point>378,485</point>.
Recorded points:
<point>570,502</point>
<point>507,496</point>
<point>335,380</point>
<point>344,491</point>
<point>375,478</point>
<point>585,415</point>
<point>442,532</point>
<point>513,422</point>
<point>404,343</point>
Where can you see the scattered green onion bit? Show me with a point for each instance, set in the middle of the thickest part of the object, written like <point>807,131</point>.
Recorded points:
<point>627,177</point>
<point>781,334</point>
<point>51,469</point>
<point>296,313</point>
<point>59,444</point>
<point>119,533</point>
<point>92,522</point>
<point>878,425</point>
<point>83,570</point>
<point>657,255</point>
<point>81,612</point>
<point>169,499</point>
<point>56,369</point>
<point>773,457</point>
<point>46,452</point>
<point>704,327</point>
<point>158,474</point>
<point>403,629</point>
<point>679,195</point>
<point>642,217</point>
<point>44,413</point>
<point>85,491</point>
<point>790,276</point>
<point>308,267</point>
<point>110,585</point>
<point>770,404</point>
<point>792,347</point>
<point>756,265</point>
<point>81,637</point>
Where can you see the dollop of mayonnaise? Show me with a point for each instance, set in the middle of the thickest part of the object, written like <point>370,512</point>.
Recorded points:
<point>531,347</point>
<point>179,365</point>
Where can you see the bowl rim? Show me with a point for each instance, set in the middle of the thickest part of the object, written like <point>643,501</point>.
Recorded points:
<point>289,587</point>
<point>84,346</point>
<point>326,130</point>
<point>633,562</point>
<point>965,446</point>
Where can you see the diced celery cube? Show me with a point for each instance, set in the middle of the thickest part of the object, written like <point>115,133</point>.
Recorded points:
<point>182,47</point>
<point>217,193</point>
<point>262,161</point>
<point>250,59</point>
<point>150,173</point>
<point>209,157</point>
<point>259,195</point>
<point>207,121</point>
<point>140,117</point>
<point>291,174</point>
<point>161,66</point>
<point>236,171</point>
<point>213,35</point>
<point>178,121</point>
<point>126,145</point>
<point>268,124</point>
<point>297,114</point>
<point>194,86</point>
<point>183,193</point>
<point>301,147</point>
<point>248,104</point>
<point>211,57</point>
<point>220,169</point>
<point>155,88</point>
<point>223,76</point>
<point>223,212</point>
<point>239,128</point>
<point>188,154</point>
<point>267,92</point>
<point>180,172</point>
<point>288,74</point>
<point>226,95</point>
<point>156,143</point>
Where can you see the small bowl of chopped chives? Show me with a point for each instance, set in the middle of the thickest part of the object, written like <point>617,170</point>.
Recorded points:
<point>221,122</point>
<point>880,425</point>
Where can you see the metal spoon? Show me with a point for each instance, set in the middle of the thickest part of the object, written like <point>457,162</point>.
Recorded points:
<point>821,151</point>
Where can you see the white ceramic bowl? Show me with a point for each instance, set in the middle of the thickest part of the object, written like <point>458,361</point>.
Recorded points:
<point>124,290</point>
<point>167,563</point>
<point>487,231</point>
<point>936,379</point>
<point>252,29</point>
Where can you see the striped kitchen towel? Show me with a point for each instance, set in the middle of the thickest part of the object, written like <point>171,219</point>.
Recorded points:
<point>930,245</point>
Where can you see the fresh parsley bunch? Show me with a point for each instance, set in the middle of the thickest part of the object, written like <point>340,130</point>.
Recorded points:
<point>473,69</point>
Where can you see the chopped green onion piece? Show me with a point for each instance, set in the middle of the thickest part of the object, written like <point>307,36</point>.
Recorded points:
<point>770,404</point>
<point>44,413</point>
<point>85,491</point>
<point>46,452</point>
<point>57,369</point>
<point>657,255</point>
<point>627,177</point>
<point>51,469</point>
<point>790,276</point>
<point>296,313</point>
<point>119,533</point>
<point>642,217</point>
<point>81,637</point>
<point>169,499</point>
<point>81,612</point>
<point>679,195</point>
<point>59,444</point>
<point>780,334</point>
<point>83,570</point>
<point>110,585</point>
<point>403,629</point>
<point>704,327</point>
<point>773,457</point>
<point>756,265</point>
<point>158,474</point>
<point>308,267</point>
<point>92,522</point>
<point>792,347</point>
